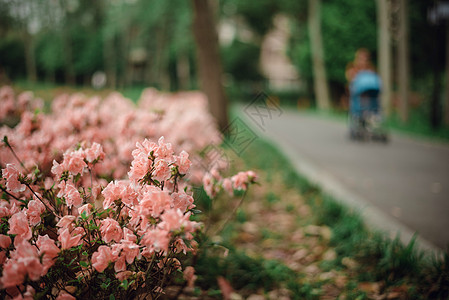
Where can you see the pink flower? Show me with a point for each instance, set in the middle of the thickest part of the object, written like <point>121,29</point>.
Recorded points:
<point>241,180</point>
<point>94,153</point>
<point>119,190</point>
<point>71,194</point>
<point>161,171</point>
<point>172,220</point>
<point>74,161</point>
<point>5,241</point>
<point>57,169</point>
<point>48,250</point>
<point>67,240</point>
<point>110,230</point>
<point>165,150</point>
<point>183,162</point>
<point>209,185</point>
<point>139,167</point>
<point>102,258</point>
<point>227,186</point>
<point>86,208</point>
<point>13,274</point>
<point>18,224</point>
<point>34,211</point>
<point>24,261</point>
<point>66,222</point>
<point>189,276</point>
<point>28,295</point>
<point>154,203</point>
<point>156,239</point>
<point>182,201</point>
<point>11,175</point>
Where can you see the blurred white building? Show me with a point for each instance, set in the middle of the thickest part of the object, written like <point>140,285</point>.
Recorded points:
<point>274,62</point>
<point>275,65</point>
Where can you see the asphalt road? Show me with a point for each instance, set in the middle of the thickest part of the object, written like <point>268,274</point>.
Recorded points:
<point>405,182</point>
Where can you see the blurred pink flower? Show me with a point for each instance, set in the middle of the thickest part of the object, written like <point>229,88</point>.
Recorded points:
<point>227,186</point>
<point>48,250</point>
<point>172,220</point>
<point>34,211</point>
<point>66,222</point>
<point>182,201</point>
<point>189,276</point>
<point>18,224</point>
<point>70,193</point>
<point>110,230</point>
<point>24,261</point>
<point>162,170</point>
<point>5,241</point>
<point>95,152</point>
<point>68,240</point>
<point>156,239</point>
<point>11,175</point>
<point>183,162</point>
<point>74,161</point>
<point>102,258</point>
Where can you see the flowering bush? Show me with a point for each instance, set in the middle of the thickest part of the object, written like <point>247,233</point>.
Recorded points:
<point>116,123</point>
<point>84,215</point>
<point>60,241</point>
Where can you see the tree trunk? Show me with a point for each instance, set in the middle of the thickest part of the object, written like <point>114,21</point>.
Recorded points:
<point>69,69</point>
<point>403,61</point>
<point>446,98</point>
<point>110,62</point>
<point>209,62</point>
<point>316,45</point>
<point>183,70</point>
<point>30,59</point>
<point>384,54</point>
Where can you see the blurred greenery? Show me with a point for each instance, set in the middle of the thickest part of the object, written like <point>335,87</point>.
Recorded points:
<point>150,43</point>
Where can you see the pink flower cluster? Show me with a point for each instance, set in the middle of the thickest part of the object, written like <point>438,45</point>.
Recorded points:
<point>116,123</point>
<point>213,182</point>
<point>144,218</point>
<point>71,213</point>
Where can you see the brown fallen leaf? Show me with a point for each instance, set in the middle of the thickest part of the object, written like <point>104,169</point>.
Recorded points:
<point>370,287</point>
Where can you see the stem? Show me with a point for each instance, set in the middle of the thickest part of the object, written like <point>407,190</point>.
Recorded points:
<point>9,194</point>
<point>40,199</point>
<point>5,140</point>
<point>230,215</point>
<point>91,184</point>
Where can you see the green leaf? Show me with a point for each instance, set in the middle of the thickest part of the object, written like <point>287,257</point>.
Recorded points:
<point>111,297</point>
<point>84,264</point>
<point>124,284</point>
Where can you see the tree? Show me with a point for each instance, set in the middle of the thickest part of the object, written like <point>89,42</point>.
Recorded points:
<point>403,60</point>
<point>208,59</point>
<point>384,53</point>
<point>316,44</point>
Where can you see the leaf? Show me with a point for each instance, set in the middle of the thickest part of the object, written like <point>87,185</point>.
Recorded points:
<point>125,284</point>
<point>84,264</point>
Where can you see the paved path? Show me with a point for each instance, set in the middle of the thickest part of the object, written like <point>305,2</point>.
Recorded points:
<point>400,186</point>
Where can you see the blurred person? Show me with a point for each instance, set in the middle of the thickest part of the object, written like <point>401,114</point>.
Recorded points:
<point>362,61</point>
